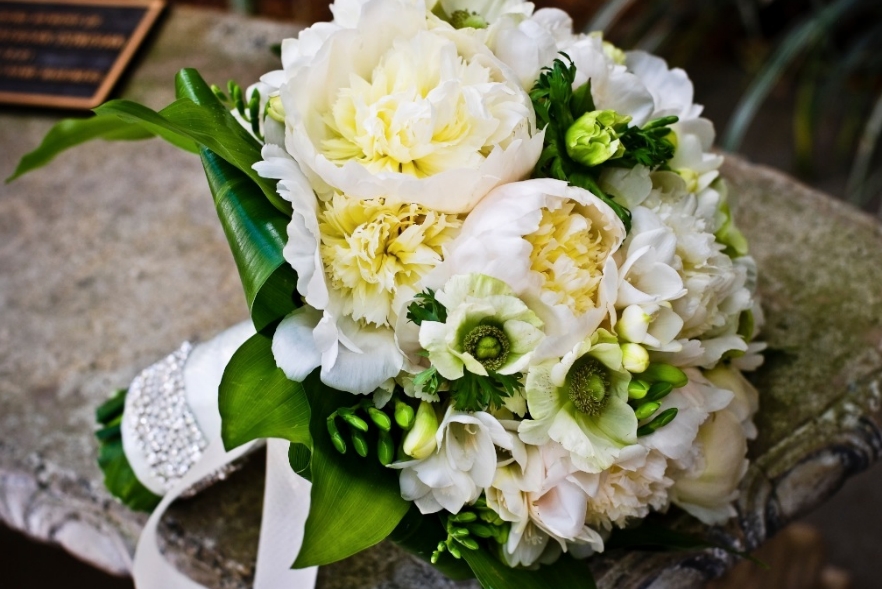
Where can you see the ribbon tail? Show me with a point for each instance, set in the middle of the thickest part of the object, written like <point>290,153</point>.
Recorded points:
<point>150,569</point>
<point>286,501</point>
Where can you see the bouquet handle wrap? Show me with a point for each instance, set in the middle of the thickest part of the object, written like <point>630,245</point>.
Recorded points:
<point>286,494</point>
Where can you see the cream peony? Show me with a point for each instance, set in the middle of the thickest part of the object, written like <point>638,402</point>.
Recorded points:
<point>415,115</point>
<point>550,243</point>
<point>708,487</point>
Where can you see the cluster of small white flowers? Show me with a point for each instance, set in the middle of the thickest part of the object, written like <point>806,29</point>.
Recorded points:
<point>404,137</point>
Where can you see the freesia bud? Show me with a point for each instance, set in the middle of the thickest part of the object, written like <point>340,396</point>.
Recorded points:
<point>665,373</point>
<point>635,358</point>
<point>275,110</point>
<point>633,324</point>
<point>637,389</point>
<point>593,138</point>
<point>419,442</point>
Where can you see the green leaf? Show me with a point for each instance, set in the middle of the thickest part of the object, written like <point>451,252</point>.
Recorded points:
<point>356,503</point>
<point>72,132</point>
<point>119,478</point>
<point>258,401</point>
<point>494,574</point>
<point>256,232</point>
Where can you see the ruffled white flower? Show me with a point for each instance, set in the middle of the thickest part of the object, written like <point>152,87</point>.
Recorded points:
<point>628,490</point>
<point>745,403</point>
<point>550,243</point>
<point>581,402</point>
<point>415,115</point>
<point>357,262</point>
<point>707,488</point>
<point>717,287</point>
<point>672,94</point>
<point>488,329</point>
<point>462,465</point>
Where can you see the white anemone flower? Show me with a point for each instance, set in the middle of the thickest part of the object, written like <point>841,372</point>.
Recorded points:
<point>488,329</point>
<point>550,243</point>
<point>416,115</point>
<point>462,465</point>
<point>581,402</point>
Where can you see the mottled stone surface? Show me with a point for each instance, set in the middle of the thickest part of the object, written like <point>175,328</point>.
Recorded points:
<point>112,256</point>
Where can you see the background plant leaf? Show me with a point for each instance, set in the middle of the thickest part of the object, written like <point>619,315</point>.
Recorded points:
<point>494,574</point>
<point>258,401</point>
<point>256,232</point>
<point>72,132</point>
<point>356,501</point>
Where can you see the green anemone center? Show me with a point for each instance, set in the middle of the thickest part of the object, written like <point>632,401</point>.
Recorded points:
<point>488,345</point>
<point>589,386</point>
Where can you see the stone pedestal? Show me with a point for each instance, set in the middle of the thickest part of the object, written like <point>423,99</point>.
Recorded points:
<point>113,255</point>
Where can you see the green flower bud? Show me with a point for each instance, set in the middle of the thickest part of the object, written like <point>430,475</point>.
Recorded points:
<point>646,410</point>
<point>385,448</point>
<point>381,420</point>
<point>359,443</point>
<point>352,419</point>
<point>275,110</point>
<point>419,442</point>
<point>593,138</point>
<point>662,419</point>
<point>637,389</point>
<point>481,531</point>
<point>659,391</point>
<point>403,415</point>
<point>336,438</point>
<point>635,358</point>
<point>464,517</point>
<point>665,373</point>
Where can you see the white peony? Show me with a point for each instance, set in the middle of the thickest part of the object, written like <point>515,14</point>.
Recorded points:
<point>462,465</point>
<point>549,242</point>
<point>707,488</point>
<point>415,115</point>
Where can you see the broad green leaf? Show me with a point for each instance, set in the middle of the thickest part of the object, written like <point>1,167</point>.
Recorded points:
<point>256,232</point>
<point>494,574</point>
<point>119,478</point>
<point>419,534</point>
<point>72,132</point>
<point>356,501</point>
<point>257,400</point>
<point>214,128</point>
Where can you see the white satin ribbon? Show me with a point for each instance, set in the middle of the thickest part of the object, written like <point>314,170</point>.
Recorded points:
<point>286,494</point>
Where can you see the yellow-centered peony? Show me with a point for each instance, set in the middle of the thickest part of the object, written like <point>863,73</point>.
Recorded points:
<point>372,251</point>
<point>569,252</point>
<point>418,112</point>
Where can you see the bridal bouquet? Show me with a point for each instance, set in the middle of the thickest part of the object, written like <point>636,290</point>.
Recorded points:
<point>501,305</point>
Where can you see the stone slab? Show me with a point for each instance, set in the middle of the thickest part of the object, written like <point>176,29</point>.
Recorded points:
<point>112,256</point>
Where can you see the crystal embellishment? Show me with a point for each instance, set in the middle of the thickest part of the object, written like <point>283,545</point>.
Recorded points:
<point>165,428</point>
